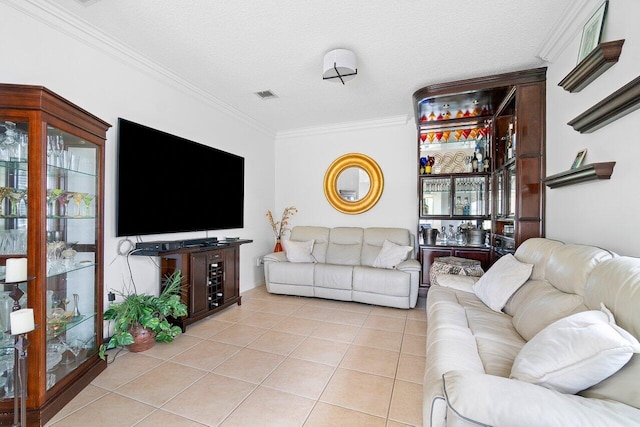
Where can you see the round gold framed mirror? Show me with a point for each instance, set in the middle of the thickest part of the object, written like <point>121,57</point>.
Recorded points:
<point>353,183</point>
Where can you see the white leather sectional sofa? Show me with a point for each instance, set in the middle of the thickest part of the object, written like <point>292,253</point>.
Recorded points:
<point>471,348</point>
<point>342,267</point>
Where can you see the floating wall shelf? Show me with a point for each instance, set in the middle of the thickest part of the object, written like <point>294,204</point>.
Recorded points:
<point>618,104</point>
<point>584,173</point>
<point>597,62</point>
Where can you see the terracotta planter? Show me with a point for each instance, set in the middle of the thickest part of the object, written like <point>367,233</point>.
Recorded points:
<point>143,339</point>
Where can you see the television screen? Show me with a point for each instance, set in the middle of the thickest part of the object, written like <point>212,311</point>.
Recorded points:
<point>167,184</point>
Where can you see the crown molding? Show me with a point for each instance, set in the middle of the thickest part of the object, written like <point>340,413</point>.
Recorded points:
<point>345,127</point>
<point>566,27</point>
<point>61,20</point>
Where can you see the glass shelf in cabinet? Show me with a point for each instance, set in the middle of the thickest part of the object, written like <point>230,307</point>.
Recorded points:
<point>63,217</point>
<point>57,171</point>
<point>63,268</point>
<point>60,325</point>
<point>462,122</point>
<point>15,164</point>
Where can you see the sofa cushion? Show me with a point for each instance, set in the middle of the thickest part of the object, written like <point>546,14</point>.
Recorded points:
<point>299,251</point>
<point>391,254</point>
<point>569,266</point>
<point>345,246</point>
<point>386,282</point>
<point>504,277</point>
<point>291,273</point>
<point>537,304</point>
<point>456,281</point>
<point>320,237</point>
<point>576,352</point>
<point>616,283</point>
<point>333,276</point>
<point>477,399</point>
<point>537,251</point>
<point>374,237</point>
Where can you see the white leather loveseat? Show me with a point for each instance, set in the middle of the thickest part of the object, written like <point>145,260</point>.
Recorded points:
<point>476,355</point>
<point>341,267</point>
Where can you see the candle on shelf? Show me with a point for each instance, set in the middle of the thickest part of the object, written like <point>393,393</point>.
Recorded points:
<point>22,321</point>
<point>16,270</point>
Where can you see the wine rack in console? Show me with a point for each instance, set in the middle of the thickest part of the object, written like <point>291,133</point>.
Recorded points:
<point>211,276</point>
<point>214,288</point>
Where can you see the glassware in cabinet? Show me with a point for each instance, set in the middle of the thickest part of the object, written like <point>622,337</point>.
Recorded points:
<point>470,195</point>
<point>435,196</point>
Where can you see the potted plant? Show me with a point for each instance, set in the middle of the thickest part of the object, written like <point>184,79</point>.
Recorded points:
<point>141,319</point>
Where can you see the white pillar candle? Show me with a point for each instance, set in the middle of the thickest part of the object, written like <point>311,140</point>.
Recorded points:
<point>16,270</point>
<point>22,321</point>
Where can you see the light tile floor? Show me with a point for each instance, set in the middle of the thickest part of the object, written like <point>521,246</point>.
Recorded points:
<point>273,361</point>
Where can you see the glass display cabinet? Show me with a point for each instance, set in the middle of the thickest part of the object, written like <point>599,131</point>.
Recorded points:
<point>51,212</point>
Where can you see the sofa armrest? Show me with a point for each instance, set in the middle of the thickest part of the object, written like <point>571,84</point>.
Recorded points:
<point>275,257</point>
<point>409,265</point>
<point>479,399</point>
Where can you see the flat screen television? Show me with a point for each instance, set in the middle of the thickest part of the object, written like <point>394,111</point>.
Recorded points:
<point>168,184</point>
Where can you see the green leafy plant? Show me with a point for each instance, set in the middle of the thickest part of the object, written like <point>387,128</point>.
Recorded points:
<point>148,311</point>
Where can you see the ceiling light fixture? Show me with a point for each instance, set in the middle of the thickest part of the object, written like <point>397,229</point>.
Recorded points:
<point>339,64</point>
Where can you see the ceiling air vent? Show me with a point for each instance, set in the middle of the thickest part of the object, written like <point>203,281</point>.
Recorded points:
<point>266,94</point>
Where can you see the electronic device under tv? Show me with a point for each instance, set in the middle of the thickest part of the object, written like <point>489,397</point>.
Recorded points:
<point>168,184</point>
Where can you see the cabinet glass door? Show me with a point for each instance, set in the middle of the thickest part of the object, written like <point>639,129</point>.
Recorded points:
<point>499,194</point>
<point>511,191</point>
<point>72,224</point>
<point>469,197</point>
<point>435,196</point>
<point>14,143</point>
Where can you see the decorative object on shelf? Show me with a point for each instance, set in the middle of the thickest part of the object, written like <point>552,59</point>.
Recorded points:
<point>281,227</point>
<point>597,62</point>
<point>16,270</point>
<point>584,173</point>
<point>579,159</point>
<point>339,64</point>
<point>88,197</point>
<point>618,104</point>
<point>76,308</point>
<point>592,31</point>
<point>148,311</point>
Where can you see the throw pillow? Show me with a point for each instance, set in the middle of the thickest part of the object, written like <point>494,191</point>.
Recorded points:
<point>501,281</point>
<point>391,255</point>
<point>576,352</point>
<point>299,251</point>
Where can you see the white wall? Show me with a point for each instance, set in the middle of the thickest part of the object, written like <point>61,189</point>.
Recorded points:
<point>604,212</point>
<point>302,158</point>
<point>110,85</point>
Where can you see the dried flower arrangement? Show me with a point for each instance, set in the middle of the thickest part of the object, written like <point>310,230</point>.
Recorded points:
<point>280,227</point>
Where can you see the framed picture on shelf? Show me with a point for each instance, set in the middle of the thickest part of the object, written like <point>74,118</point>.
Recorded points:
<point>579,158</point>
<point>592,32</point>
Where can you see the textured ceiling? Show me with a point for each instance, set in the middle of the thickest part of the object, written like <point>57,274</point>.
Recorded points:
<point>233,48</point>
